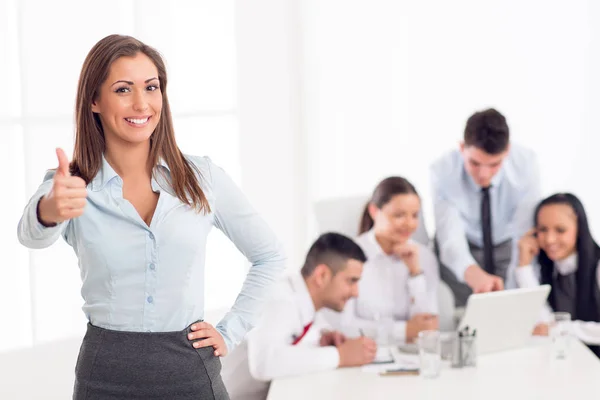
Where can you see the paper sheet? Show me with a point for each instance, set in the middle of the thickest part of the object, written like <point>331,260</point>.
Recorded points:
<point>406,361</point>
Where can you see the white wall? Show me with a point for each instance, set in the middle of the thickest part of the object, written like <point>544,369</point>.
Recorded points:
<point>329,97</point>
<point>273,152</point>
<point>389,86</point>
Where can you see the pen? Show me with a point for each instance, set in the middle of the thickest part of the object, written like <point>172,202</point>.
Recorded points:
<point>400,371</point>
<point>460,353</point>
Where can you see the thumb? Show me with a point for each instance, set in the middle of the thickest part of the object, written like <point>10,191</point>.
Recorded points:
<point>63,162</point>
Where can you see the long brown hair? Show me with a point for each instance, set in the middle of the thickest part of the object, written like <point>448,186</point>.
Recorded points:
<point>383,193</point>
<point>89,135</point>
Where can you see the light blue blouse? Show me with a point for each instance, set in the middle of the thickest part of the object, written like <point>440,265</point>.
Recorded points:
<point>151,278</point>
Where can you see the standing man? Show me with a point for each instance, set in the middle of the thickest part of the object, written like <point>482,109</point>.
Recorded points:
<point>484,196</point>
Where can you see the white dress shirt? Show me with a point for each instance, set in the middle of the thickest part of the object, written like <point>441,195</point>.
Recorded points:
<point>529,276</point>
<point>388,294</point>
<point>269,353</point>
<point>515,192</point>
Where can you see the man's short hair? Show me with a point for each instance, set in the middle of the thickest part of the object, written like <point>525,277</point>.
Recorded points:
<point>334,250</point>
<point>487,130</point>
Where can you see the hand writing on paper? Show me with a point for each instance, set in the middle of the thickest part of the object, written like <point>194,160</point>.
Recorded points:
<point>356,352</point>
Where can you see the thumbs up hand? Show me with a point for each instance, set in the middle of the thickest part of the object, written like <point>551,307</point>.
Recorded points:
<point>67,198</point>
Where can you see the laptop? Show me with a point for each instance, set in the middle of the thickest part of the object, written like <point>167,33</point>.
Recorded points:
<point>504,320</point>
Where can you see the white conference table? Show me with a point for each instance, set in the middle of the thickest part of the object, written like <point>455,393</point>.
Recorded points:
<point>46,371</point>
<point>528,373</point>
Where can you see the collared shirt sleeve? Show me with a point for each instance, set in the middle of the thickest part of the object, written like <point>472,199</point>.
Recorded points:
<point>353,325</point>
<point>422,289</point>
<point>527,276</point>
<point>271,354</point>
<point>587,332</point>
<point>240,222</point>
<point>450,233</point>
<point>523,217</point>
<point>30,231</point>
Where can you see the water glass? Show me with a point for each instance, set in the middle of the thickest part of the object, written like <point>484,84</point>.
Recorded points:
<point>560,332</point>
<point>430,353</point>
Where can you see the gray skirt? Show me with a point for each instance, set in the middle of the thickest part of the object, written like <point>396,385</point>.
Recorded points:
<point>116,365</point>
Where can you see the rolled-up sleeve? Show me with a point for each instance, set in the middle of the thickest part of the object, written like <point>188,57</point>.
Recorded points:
<point>423,288</point>
<point>239,221</point>
<point>271,355</point>
<point>450,233</point>
<point>524,216</point>
<point>528,276</point>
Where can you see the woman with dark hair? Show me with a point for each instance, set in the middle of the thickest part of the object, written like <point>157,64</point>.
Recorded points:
<point>567,258</point>
<point>398,288</point>
<point>137,213</point>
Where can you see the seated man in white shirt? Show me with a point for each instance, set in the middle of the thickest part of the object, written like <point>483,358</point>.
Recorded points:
<point>289,341</point>
<point>484,197</point>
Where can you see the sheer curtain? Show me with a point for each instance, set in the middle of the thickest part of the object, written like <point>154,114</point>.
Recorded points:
<point>42,48</point>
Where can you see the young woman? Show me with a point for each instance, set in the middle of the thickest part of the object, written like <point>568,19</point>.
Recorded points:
<point>398,288</point>
<point>137,213</point>
<point>560,251</point>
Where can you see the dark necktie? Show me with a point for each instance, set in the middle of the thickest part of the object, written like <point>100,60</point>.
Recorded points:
<point>565,293</point>
<point>486,228</point>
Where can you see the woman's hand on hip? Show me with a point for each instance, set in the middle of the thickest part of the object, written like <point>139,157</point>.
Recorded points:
<point>204,335</point>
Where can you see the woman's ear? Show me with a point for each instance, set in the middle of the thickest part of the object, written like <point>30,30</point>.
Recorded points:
<point>95,107</point>
<point>373,211</point>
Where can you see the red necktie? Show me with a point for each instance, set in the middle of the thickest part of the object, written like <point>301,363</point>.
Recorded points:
<point>299,338</point>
